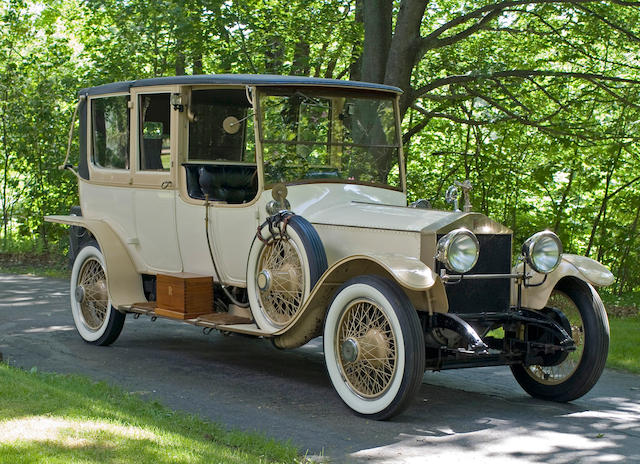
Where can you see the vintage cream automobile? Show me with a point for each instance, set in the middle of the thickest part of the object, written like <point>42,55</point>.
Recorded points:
<point>276,207</point>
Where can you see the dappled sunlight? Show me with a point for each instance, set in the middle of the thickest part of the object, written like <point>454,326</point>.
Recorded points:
<point>497,446</point>
<point>53,328</point>
<point>73,433</point>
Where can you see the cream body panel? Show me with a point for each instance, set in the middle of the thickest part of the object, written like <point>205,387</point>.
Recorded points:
<point>576,266</point>
<point>157,237</point>
<point>341,242</point>
<point>114,206</point>
<point>144,221</point>
<point>231,231</point>
<point>423,287</point>
<point>123,279</point>
<point>192,239</point>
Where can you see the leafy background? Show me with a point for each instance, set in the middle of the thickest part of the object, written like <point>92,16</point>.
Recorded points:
<point>536,102</point>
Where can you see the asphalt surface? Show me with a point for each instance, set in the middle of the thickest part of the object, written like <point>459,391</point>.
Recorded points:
<point>473,415</point>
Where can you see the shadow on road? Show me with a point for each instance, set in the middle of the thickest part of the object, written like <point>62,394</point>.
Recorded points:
<point>471,415</point>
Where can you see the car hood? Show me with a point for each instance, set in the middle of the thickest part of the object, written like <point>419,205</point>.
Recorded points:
<point>407,219</point>
<point>375,209</point>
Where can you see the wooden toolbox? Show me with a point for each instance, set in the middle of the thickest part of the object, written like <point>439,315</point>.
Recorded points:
<point>183,295</point>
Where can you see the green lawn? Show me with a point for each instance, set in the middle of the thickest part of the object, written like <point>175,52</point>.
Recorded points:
<point>56,418</point>
<point>624,350</point>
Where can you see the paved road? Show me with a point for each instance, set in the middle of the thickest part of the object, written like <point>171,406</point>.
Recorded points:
<point>475,415</point>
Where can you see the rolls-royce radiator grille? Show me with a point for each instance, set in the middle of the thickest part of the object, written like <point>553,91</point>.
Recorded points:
<point>484,295</point>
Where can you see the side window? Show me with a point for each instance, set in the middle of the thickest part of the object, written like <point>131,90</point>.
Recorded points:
<point>110,132</point>
<point>222,127</point>
<point>155,130</point>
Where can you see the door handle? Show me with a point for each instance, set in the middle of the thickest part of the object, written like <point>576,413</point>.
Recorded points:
<point>165,185</point>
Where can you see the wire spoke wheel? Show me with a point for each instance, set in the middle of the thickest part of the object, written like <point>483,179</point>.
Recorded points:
<point>96,320</point>
<point>576,306</point>
<point>95,301</point>
<point>281,262</point>
<point>373,346</point>
<point>367,347</point>
<point>553,375</point>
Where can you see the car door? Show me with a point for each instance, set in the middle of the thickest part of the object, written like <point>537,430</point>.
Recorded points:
<point>154,171</point>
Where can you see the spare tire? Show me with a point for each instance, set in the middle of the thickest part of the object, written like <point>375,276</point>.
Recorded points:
<point>285,262</point>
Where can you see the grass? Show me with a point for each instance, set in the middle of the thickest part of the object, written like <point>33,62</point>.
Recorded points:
<point>56,418</point>
<point>48,265</point>
<point>624,349</point>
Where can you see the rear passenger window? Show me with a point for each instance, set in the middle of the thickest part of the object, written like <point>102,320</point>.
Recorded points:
<point>155,130</point>
<point>110,132</point>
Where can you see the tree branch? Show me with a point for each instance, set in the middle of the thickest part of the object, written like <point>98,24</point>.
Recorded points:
<point>454,118</point>
<point>611,24</point>
<point>430,43</point>
<point>501,5</point>
<point>522,73</point>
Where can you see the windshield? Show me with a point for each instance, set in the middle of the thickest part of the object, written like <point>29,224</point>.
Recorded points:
<point>329,135</point>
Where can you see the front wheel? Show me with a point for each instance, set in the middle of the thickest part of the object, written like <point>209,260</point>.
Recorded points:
<point>96,320</point>
<point>574,374</point>
<point>373,347</point>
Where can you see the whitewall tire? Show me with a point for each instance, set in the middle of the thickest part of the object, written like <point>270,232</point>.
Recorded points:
<point>96,320</point>
<point>374,347</point>
<point>282,272</point>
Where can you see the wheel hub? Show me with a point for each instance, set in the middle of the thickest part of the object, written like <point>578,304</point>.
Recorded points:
<point>285,279</point>
<point>264,280</point>
<point>375,347</point>
<point>79,293</point>
<point>349,350</point>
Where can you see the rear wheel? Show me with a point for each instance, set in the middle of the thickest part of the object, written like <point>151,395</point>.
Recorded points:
<point>373,347</point>
<point>96,320</point>
<point>570,376</point>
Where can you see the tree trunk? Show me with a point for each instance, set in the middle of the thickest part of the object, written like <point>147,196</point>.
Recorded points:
<point>197,63</point>
<point>274,55</point>
<point>404,49</point>
<point>377,33</point>
<point>603,207</point>
<point>180,61</point>
<point>5,180</point>
<point>355,69</point>
<point>563,201</point>
<point>300,65</point>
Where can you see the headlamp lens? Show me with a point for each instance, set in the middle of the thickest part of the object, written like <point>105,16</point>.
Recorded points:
<point>543,251</point>
<point>458,250</point>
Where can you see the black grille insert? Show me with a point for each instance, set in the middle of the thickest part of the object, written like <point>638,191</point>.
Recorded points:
<point>484,295</point>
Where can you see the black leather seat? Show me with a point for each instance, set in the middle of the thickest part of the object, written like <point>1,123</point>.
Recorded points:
<point>222,182</point>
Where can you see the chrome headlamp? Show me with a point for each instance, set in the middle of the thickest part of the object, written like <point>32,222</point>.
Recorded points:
<point>543,251</point>
<point>458,250</point>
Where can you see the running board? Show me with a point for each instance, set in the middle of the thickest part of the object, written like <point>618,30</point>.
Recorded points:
<point>224,322</point>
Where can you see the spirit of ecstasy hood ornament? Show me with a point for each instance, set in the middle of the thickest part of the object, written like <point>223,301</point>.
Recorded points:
<point>451,196</point>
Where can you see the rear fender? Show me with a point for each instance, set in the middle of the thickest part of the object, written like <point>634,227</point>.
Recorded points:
<point>123,280</point>
<point>580,267</point>
<point>423,287</point>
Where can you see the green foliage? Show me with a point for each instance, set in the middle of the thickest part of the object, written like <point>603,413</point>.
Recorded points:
<point>537,104</point>
<point>63,419</point>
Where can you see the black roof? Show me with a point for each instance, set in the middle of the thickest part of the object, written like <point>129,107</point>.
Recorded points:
<point>233,79</point>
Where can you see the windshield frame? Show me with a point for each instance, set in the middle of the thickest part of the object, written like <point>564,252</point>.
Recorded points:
<point>261,92</point>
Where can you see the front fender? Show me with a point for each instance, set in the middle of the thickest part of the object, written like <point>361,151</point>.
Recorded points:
<point>423,287</point>
<point>580,267</point>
